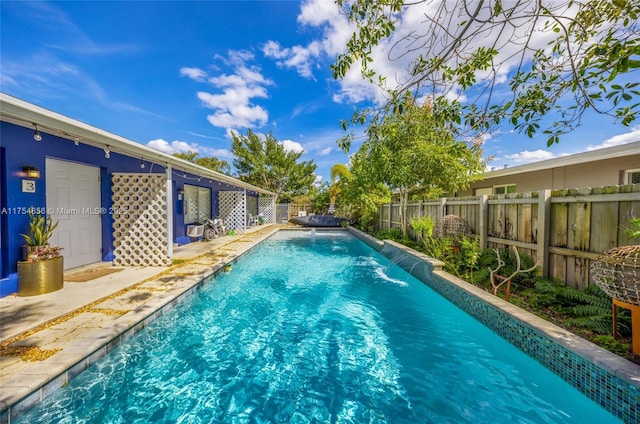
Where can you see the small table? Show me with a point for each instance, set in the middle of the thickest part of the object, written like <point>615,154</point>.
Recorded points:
<point>635,323</point>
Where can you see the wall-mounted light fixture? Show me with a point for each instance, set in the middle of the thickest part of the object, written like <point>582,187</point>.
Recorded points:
<point>36,133</point>
<point>107,152</point>
<point>180,193</point>
<point>30,172</point>
<point>141,163</point>
<point>76,141</point>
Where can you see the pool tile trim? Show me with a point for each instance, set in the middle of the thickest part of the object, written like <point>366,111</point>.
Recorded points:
<point>29,393</point>
<point>609,380</point>
<point>616,386</point>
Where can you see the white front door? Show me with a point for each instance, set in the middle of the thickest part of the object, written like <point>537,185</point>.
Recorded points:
<point>73,199</point>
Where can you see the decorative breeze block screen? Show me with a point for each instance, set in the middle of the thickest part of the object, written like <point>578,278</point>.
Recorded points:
<point>139,220</point>
<point>233,210</point>
<point>266,207</point>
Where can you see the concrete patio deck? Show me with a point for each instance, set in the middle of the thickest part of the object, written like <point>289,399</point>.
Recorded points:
<point>46,340</point>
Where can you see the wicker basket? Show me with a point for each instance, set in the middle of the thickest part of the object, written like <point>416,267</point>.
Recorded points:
<point>617,272</point>
<point>451,226</point>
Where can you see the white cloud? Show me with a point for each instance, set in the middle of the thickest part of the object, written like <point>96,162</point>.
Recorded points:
<point>200,135</point>
<point>304,59</point>
<point>527,156</point>
<point>234,104</point>
<point>274,50</point>
<point>289,145</point>
<point>530,156</point>
<point>235,115</point>
<point>230,132</point>
<point>175,146</point>
<point>236,57</point>
<point>196,74</point>
<point>616,140</point>
<point>178,146</point>
<point>217,153</point>
<point>392,57</point>
<point>305,109</point>
<point>326,151</point>
<point>292,146</point>
<point>298,57</point>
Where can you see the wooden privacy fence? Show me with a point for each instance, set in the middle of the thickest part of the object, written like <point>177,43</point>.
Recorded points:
<point>286,211</point>
<point>564,230</point>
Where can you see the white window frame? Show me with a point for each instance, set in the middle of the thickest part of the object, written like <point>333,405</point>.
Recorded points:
<point>197,204</point>
<point>628,175</point>
<point>506,188</point>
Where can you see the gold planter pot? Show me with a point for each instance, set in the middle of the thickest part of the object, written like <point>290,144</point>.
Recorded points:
<point>40,277</point>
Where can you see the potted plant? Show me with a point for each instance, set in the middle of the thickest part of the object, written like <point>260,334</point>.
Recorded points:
<point>41,271</point>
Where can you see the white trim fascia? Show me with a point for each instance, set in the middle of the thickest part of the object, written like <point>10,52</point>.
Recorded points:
<point>622,150</point>
<point>22,113</point>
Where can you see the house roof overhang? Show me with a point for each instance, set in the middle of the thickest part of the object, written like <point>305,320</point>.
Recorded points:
<point>25,114</point>
<point>622,150</point>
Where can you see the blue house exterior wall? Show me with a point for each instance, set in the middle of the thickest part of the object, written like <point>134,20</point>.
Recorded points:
<point>18,149</point>
<point>22,150</point>
<point>3,217</point>
<point>181,178</point>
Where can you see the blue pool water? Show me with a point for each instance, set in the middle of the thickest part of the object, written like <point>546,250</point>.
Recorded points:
<point>316,329</point>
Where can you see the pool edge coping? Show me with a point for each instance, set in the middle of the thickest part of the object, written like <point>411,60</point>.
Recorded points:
<point>12,407</point>
<point>618,366</point>
<point>626,371</point>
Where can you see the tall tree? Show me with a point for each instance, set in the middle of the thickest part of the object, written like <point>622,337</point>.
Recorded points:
<point>482,62</point>
<point>210,162</point>
<point>340,175</point>
<point>263,161</point>
<point>360,195</point>
<point>410,151</point>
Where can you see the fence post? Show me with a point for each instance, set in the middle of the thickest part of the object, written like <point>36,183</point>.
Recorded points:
<point>390,213</point>
<point>442,210</point>
<point>544,210</point>
<point>483,231</point>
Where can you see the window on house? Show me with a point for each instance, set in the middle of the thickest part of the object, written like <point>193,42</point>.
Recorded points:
<point>197,204</point>
<point>484,190</point>
<point>505,188</point>
<point>632,176</point>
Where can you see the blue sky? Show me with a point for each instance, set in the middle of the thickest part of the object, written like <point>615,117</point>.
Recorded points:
<point>179,76</point>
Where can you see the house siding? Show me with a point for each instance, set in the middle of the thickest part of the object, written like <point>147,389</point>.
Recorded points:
<point>19,149</point>
<point>595,173</point>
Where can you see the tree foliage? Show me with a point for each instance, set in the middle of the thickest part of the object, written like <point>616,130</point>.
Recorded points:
<point>482,62</point>
<point>319,194</point>
<point>360,196</point>
<point>210,162</point>
<point>340,175</point>
<point>410,151</point>
<point>264,162</point>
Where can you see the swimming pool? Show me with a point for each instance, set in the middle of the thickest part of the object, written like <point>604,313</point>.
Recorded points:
<point>316,329</point>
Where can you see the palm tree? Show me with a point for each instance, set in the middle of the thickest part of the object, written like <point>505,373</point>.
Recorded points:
<point>339,173</point>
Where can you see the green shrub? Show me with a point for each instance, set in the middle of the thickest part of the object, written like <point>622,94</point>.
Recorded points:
<point>613,345</point>
<point>423,226</point>
<point>588,309</point>
<point>394,234</point>
<point>460,256</point>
